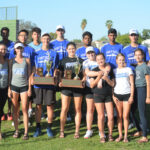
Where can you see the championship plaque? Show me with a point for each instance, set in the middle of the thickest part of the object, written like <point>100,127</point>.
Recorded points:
<point>47,80</point>
<point>76,82</point>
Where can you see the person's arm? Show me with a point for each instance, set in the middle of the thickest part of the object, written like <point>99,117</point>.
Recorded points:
<point>9,77</point>
<point>93,82</point>
<point>91,73</point>
<point>131,98</point>
<point>29,76</point>
<point>147,77</point>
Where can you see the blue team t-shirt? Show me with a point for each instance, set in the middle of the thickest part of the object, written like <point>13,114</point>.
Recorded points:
<point>81,52</point>
<point>60,48</point>
<point>27,53</point>
<point>40,59</point>
<point>35,47</point>
<point>129,55</point>
<point>110,52</point>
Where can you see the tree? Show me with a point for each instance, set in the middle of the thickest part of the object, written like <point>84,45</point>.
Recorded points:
<point>76,41</point>
<point>109,24</point>
<point>28,25</point>
<point>53,35</point>
<point>83,24</point>
<point>102,39</point>
<point>146,34</point>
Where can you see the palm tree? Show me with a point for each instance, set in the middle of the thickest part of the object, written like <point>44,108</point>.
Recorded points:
<point>109,24</point>
<point>83,24</point>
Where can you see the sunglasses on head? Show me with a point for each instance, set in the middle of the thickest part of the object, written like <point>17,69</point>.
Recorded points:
<point>60,30</point>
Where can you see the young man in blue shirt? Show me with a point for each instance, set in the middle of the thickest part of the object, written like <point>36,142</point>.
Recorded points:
<point>36,45</point>
<point>87,38</point>
<point>10,45</point>
<point>131,62</point>
<point>44,94</point>
<point>112,49</point>
<point>60,43</point>
<point>28,51</point>
<point>36,35</point>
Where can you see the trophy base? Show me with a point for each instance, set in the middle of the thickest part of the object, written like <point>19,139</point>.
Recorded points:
<point>45,80</point>
<point>72,83</point>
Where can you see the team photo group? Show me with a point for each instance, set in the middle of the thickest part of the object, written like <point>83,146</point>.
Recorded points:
<point>114,79</point>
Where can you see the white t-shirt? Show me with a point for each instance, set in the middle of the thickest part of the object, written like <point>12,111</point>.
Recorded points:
<point>90,65</point>
<point>122,78</point>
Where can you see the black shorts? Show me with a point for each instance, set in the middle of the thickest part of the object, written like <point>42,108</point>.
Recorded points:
<point>102,98</point>
<point>88,92</point>
<point>123,97</point>
<point>19,90</point>
<point>72,92</point>
<point>44,96</point>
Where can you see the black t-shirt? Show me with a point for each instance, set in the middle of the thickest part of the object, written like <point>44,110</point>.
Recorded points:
<point>69,64</point>
<point>106,88</point>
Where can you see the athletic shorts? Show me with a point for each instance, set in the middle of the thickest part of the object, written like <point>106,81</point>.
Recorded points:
<point>123,97</point>
<point>44,96</point>
<point>19,90</point>
<point>102,98</point>
<point>72,92</point>
<point>88,92</point>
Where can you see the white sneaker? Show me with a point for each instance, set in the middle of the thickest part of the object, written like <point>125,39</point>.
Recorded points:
<point>131,125</point>
<point>69,118</point>
<point>30,113</point>
<point>88,134</point>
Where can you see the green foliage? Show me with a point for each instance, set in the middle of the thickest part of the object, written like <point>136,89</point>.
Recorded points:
<point>146,34</point>
<point>109,24</point>
<point>28,25</point>
<point>53,35</point>
<point>104,38</point>
<point>76,41</point>
<point>83,24</point>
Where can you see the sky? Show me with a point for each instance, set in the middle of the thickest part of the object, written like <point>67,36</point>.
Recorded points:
<point>47,14</point>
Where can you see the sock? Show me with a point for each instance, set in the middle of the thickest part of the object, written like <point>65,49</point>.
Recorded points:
<point>38,125</point>
<point>49,125</point>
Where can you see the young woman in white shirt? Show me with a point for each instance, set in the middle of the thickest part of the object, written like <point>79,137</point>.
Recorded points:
<point>123,95</point>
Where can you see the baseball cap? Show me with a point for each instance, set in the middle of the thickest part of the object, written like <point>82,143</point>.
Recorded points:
<point>133,31</point>
<point>60,27</point>
<point>45,34</point>
<point>18,45</point>
<point>90,49</point>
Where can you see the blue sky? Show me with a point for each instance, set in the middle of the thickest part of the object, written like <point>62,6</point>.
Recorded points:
<point>47,14</point>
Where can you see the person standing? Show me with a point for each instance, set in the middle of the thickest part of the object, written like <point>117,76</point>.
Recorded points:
<point>20,86</point>
<point>112,49</point>
<point>142,83</point>
<point>87,38</point>
<point>44,94</point>
<point>3,80</point>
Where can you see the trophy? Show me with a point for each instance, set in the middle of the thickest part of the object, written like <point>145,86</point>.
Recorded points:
<point>39,71</point>
<point>77,70</point>
<point>48,67</point>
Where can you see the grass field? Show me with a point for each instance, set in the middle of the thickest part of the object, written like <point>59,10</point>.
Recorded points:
<point>68,143</point>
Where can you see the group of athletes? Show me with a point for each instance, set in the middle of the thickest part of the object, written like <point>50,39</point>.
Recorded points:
<point>113,76</point>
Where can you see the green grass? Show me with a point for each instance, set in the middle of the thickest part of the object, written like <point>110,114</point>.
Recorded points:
<point>68,143</point>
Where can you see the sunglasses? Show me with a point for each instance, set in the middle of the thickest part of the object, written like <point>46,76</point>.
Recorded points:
<point>134,34</point>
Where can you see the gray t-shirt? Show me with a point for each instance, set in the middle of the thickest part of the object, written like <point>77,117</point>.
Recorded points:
<point>141,71</point>
<point>19,74</point>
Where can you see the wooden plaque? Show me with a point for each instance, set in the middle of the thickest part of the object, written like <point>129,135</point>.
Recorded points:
<point>72,83</point>
<point>45,80</point>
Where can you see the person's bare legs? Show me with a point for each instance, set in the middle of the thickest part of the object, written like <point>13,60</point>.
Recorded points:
<point>119,109</point>
<point>24,101</point>
<point>110,115</point>
<point>50,111</point>
<point>15,105</point>
<point>65,103</point>
<point>90,112</point>
<point>38,113</point>
<point>101,117</point>
<point>126,111</point>
<point>78,114</point>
